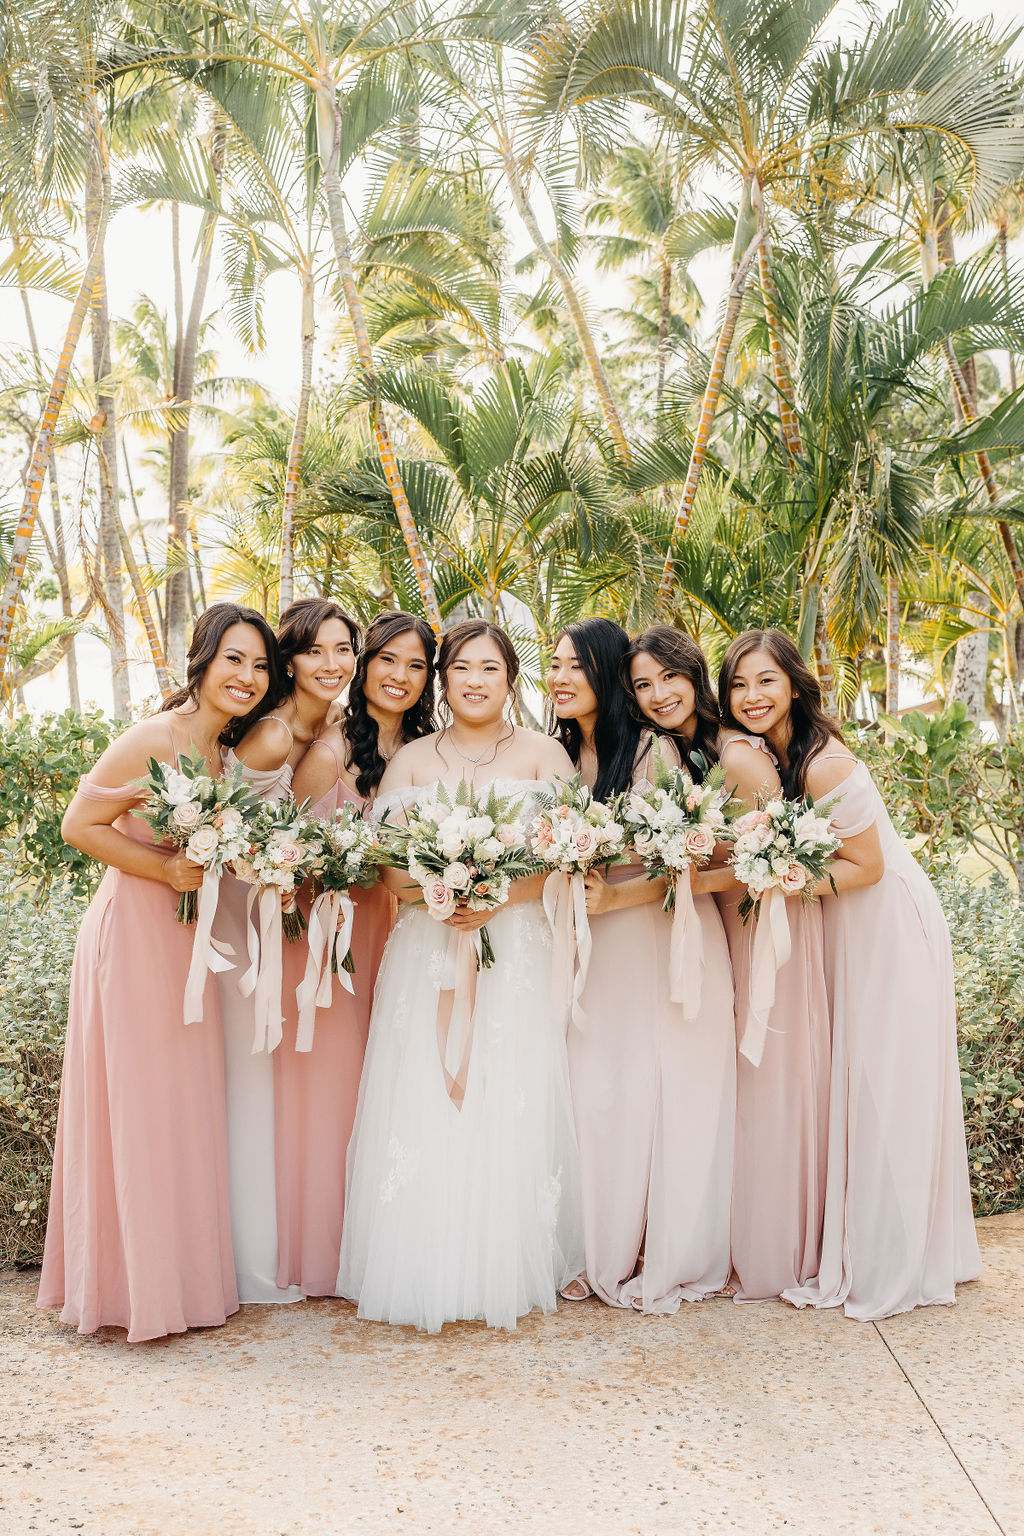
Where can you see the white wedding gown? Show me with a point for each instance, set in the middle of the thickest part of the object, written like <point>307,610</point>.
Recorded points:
<point>473,1212</point>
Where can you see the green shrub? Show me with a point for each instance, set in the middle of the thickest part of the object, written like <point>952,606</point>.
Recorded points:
<point>41,762</point>
<point>36,949</point>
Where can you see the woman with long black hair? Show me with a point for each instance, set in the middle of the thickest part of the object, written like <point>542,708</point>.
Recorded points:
<point>653,1081</point>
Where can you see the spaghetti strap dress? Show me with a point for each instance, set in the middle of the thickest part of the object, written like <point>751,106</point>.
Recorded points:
<point>653,1096</point>
<point>778,1197</point>
<point>316,1090</point>
<point>139,1229</point>
<point>899,1229</point>
<point>249,1083</point>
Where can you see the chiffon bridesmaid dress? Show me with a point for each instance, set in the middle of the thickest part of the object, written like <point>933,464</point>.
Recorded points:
<point>778,1196</point>
<point>316,1091</point>
<point>899,1228</point>
<point>654,1098</point>
<point>249,1083</point>
<point>139,1230</point>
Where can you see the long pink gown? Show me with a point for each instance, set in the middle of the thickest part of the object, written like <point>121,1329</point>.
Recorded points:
<point>249,1084</point>
<point>316,1092</point>
<point>654,1098</point>
<point>778,1196</point>
<point>899,1229</point>
<point>139,1233</point>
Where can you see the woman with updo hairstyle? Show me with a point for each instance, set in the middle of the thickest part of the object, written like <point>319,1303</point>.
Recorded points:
<point>898,1226</point>
<point>463,1198</point>
<point>653,1078</point>
<point>139,1231</point>
<point>390,701</point>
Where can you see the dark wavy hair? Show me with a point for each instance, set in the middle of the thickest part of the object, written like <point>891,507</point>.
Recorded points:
<point>298,628</point>
<point>812,728</point>
<point>600,646</point>
<point>361,732</point>
<point>211,627</point>
<point>455,639</point>
<point>675,649</point>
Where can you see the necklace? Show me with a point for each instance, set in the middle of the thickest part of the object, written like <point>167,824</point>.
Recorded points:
<point>493,748</point>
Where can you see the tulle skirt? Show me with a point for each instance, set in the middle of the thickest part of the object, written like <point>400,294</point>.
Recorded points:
<point>473,1212</point>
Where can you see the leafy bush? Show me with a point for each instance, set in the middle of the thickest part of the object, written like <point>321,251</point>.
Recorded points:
<point>41,762</point>
<point>36,950</point>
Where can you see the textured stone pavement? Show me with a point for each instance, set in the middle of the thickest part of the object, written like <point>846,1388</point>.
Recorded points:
<point>301,1419</point>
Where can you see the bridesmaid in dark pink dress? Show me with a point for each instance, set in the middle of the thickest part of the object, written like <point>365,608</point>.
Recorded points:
<point>139,1232</point>
<point>898,1228</point>
<point>391,701</point>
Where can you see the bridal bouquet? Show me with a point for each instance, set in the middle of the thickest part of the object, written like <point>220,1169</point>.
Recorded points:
<point>673,826</point>
<point>785,845</point>
<point>207,817</point>
<point>350,857</point>
<point>462,852</point>
<point>282,847</point>
<point>675,823</point>
<point>571,834</point>
<point>781,849</point>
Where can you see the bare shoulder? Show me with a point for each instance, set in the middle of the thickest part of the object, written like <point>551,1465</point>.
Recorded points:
<point>748,767</point>
<point>415,763</point>
<point>550,759</point>
<point>128,758</point>
<point>317,771</point>
<point>266,746</point>
<point>829,770</point>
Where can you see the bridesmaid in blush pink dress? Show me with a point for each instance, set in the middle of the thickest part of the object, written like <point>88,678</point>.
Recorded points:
<point>390,702</point>
<point>317,641</point>
<point>898,1226</point>
<point>653,1091</point>
<point>139,1234</point>
<point>778,1193</point>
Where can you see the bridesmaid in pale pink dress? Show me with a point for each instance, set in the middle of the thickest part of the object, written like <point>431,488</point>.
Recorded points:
<point>139,1230</point>
<point>778,1195</point>
<point>391,701</point>
<point>317,642</point>
<point>653,1091</point>
<point>898,1227</point>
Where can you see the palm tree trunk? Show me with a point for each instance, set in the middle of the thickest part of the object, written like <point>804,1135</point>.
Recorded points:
<point>140,530</point>
<point>178,581</point>
<point>43,448</point>
<point>298,442</point>
<point>788,422</point>
<point>105,426</point>
<point>329,131</point>
<point>892,643</point>
<point>560,272</point>
<point>60,558</point>
<point>1005,264</point>
<point>142,602</point>
<point>664,316</point>
<point>742,260</point>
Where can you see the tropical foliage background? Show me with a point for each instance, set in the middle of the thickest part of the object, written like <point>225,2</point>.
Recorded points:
<point>512,398</point>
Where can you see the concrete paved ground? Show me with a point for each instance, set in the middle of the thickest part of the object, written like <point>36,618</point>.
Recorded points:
<point>302,1419</point>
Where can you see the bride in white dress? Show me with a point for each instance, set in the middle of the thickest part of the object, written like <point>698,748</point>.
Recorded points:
<point>468,1212</point>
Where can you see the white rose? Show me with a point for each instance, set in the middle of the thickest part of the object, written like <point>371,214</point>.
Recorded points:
<point>202,845</point>
<point>457,876</point>
<point>177,788</point>
<point>490,848</point>
<point>479,826</point>
<point>186,815</point>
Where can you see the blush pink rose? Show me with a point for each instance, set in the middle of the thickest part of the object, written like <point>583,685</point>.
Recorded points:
<point>585,842</point>
<point>794,879</point>
<point>186,816</point>
<point>693,799</point>
<point>699,843</point>
<point>288,855</point>
<point>441,901</point>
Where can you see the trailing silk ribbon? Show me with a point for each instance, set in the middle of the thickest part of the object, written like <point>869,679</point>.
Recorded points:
<point>330,939</point>
<point>208,953</point>
<point>565,904</point>
<point>686,950</point>
<point>456,1005</point>
<point>770,950</point>
<point>264,977</point>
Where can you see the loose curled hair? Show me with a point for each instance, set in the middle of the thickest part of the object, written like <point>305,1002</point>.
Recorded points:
<point>679,652</point>
<point>361,732</point>
<point>600,646</point>
<point>454,640</point>
<point>210,628</point>
<point>298,628</point>
<point>812,728</point>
